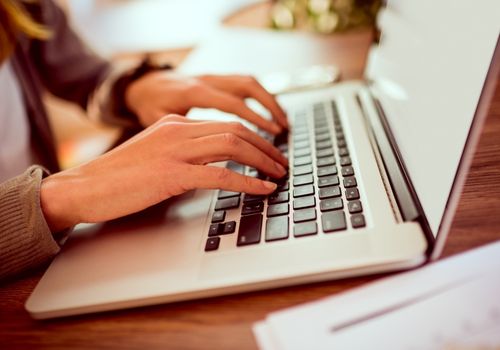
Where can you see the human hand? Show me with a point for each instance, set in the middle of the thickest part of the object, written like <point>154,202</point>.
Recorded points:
<point>165,92</point>
<point>166,159</point>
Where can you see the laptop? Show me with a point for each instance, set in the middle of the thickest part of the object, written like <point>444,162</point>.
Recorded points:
<point>376,171</point>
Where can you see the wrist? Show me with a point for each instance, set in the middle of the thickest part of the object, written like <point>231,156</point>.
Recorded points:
<point>57,203</point>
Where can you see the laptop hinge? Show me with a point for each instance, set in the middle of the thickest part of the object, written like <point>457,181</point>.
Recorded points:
<point>399,181</point>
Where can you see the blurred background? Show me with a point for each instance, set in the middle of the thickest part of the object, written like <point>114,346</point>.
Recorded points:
<point>124,31</point>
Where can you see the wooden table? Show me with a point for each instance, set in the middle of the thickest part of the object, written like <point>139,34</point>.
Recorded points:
<point>225,322</point>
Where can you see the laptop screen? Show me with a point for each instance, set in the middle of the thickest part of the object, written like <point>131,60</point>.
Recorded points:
<point>428,73</point>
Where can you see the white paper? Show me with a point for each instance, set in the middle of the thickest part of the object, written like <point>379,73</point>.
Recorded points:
<point>473,278</point>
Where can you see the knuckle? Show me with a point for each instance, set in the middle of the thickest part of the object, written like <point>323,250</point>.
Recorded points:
<point>230,139</point>
<point>171,128</point>
<point>248,181</point>
<point>194,88</point>
<point>170,118</point>
<point>250,79</point>
<point>238,128</point>
<point>223,175</point>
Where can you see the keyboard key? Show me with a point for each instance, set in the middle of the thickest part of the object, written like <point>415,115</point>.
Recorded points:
<point>343,151</point>
<point>347,171</point>
<point>278,209</point>
<point>304,215</point>
<point>278,197</point>
<point>329,192</point>
<point>229,227</point>
<point>277,228</point>
<point>339,135</point>
<point>227,203</point>
<point>304,202</point>
<point>212,244</point>
<point>252,208</point>
<point>345,160</point>
<point>215,229</point>
<point>301,144</point>
<point>333,221</point>
<point>322,132</point>
<point>302,152</point>
<point>301,137</point>
<point>305,229</point>
<point>283,186</point>
<point>252,198</point>
<point>303,169</point>
<point>331,204</point>
<point>327,170</point>
<point>303,180</point>
<point>302,160</point>
<point>325,161</point>
<point>341,143</point>
<point>358,220</point>
<point>328,181</point>
<point>327,152</point>
<point>355,207</point>
<point>324,136</point>
<point>322,127</point>
<point>227,194</point>
<point>301,191</point>
<point>301,129</point>
<point>323,144</point>
<point>350,182</point>
<point>351,193</point>
<point>249,231</point>
<point>218,216</point>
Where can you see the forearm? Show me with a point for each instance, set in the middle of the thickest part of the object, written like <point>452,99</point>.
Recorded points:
<point>26,240</point>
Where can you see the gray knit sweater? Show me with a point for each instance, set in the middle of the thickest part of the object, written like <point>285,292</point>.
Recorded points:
<point>25,238</point>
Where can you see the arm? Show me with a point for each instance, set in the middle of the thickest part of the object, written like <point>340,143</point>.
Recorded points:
<point>70,71</point>
<point>25,238</point>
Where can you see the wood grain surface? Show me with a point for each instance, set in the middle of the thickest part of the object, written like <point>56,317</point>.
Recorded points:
<point>225,322</point>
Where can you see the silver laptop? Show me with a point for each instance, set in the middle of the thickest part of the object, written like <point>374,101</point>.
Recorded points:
<point>376,171</point>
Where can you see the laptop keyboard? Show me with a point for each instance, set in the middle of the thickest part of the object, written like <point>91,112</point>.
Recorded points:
<point>319,195</point>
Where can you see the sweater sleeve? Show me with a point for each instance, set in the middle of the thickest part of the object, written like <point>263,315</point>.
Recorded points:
<point>25,238</point>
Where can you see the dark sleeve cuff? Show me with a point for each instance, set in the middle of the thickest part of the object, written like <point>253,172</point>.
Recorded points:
<point>118,105</point>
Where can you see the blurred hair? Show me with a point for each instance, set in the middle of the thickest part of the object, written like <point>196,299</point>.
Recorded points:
<point>14,21</point>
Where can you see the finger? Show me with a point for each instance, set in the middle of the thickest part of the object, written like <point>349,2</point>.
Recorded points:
<point>255,90</point>
<point>180,119</point>
<point>238,129</point>
<point>212,98</point>
<point>219,147</point>
<point>211,177</point>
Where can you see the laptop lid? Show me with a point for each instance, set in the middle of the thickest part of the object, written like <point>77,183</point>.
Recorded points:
<point>434,73</point>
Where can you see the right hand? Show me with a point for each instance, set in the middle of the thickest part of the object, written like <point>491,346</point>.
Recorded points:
<point>166,159</point>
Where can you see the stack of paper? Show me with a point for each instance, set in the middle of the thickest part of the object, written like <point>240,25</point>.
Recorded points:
<point>451,304</point>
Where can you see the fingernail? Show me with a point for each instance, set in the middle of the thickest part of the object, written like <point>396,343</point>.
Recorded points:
<point>270,185</point>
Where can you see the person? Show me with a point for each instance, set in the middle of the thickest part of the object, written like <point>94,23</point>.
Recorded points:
<point>39,203</point>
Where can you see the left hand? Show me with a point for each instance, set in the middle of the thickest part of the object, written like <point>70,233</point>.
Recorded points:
<point>165,92</point>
